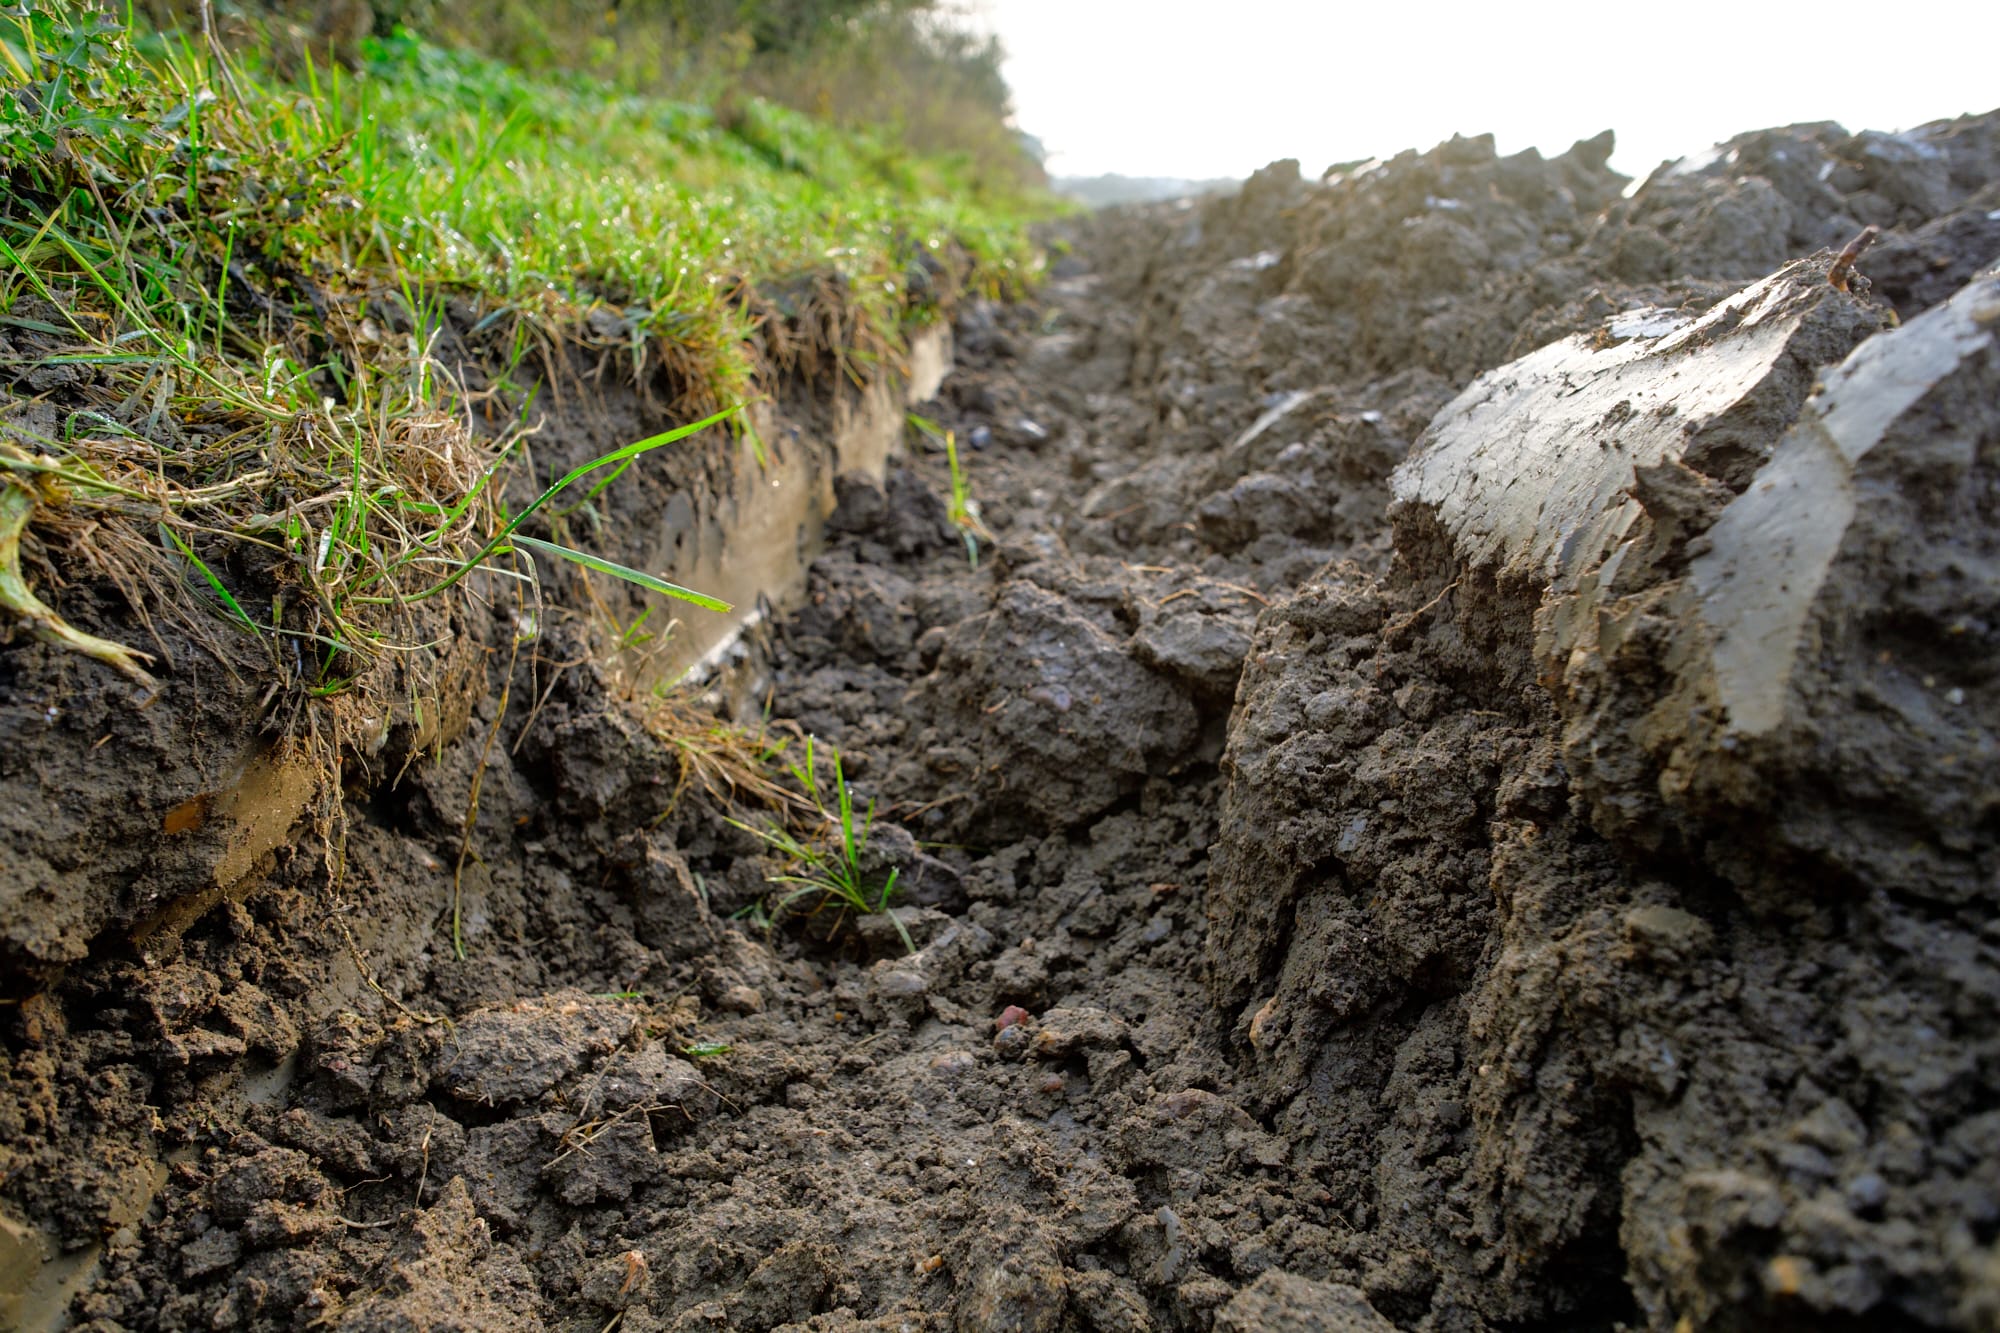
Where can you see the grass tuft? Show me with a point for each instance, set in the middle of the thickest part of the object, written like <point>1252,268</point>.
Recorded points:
<point>828,864</point>
<point>960,508</point>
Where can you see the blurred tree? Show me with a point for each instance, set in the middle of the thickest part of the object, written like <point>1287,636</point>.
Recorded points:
<point>786,27</point>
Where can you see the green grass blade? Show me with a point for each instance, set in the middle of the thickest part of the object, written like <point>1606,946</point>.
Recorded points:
<point>569,478</point>
<point>630,575</point>
<point>848,849</point>
<point>235,609</point>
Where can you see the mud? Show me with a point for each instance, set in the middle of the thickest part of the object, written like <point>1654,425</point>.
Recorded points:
<point>1344,898</point>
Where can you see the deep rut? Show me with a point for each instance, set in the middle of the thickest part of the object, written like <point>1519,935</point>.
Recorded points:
<point>1280,964</point>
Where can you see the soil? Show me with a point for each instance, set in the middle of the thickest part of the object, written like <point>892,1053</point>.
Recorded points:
<point>1296,948</point>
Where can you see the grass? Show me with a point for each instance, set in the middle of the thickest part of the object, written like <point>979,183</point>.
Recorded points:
<point>961,508</point>
<point>894,65</point>
<point>475,175</point>
<point>227,295</point>
<point>732,765</point>
<point>829,864</point>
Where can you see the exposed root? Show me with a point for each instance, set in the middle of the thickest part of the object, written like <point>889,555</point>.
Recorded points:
<point>368,979</point>
<point>1396,629</point>
<point>1842,275</point>
<point>17,505</point>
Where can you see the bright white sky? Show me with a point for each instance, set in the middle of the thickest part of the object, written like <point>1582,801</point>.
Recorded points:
<point>1170,88</point>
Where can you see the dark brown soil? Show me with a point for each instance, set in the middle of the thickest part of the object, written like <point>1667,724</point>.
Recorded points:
<point>1371,978</point>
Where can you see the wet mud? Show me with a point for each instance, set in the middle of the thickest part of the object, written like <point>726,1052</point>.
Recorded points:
<point>1344,895</point>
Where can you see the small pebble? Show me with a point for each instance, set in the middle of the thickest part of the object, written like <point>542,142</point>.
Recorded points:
<point>901,982</point>
<point>1260,1022</point>
<point>953,1062</point>
<point>1867,1192</point>
<point>740,1000</point>
<point>1180,1105</point>
<point>1011,1043</point>
<point>1009,1017</point>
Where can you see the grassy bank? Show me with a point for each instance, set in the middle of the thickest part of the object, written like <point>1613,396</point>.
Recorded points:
<point>271,332</point>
